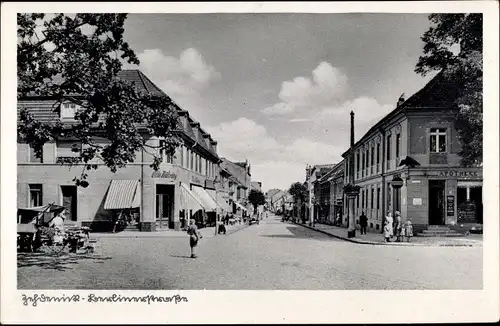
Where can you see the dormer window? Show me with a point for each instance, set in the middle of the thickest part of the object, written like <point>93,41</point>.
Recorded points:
<point>68,110</point>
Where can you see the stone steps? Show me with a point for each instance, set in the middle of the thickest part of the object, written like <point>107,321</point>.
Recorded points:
<point>439,231</point>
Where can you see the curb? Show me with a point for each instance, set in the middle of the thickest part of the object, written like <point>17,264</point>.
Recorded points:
<point>400,244</point>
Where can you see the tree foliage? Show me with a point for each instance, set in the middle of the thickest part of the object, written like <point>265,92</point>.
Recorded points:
<point>256,198</point>
<point>77,60</point>
<point>464,33</point>
<point>298,191</point>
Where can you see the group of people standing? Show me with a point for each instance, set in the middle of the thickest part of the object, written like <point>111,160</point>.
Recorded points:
<point>395,227</point>
<point>392,227</point>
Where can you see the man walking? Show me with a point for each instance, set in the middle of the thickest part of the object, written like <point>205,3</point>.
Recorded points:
<point>363,222</point>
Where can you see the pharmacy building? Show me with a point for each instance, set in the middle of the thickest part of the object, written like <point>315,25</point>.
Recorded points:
<point>409,162</point>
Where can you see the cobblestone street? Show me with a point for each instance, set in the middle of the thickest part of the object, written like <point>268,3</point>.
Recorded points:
<point>271,255</point>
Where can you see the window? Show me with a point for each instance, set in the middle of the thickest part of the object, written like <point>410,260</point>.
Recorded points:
<point>362,165</point>
<point>181,162</point>
<point>33,158</point>
<point>398,144</point>
<point>357,202</point>
<point>357,165</point>
<point>165,157</point>
<point>438,140</point>
<point>378,155</point>
<point>367,156</point>
<point>378,197</point>
<point>362,198</point>
<point>191,160</point>
<point>68,110</point>
<point>67,150</point>
<point>372,159</point>
<point>35,195</point>
<point>388,147</point>
<point>372,193</point>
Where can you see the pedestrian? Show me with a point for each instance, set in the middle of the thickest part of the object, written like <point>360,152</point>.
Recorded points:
<point>408,231</point>
<point>363,221</point>
<point>398,226</point>
<point>194,237</point>
<point>388,232</point>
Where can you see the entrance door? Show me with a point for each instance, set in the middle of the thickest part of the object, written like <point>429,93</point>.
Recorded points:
<point>436,202</point>
<point>164,206</point>
<point>69,201</point>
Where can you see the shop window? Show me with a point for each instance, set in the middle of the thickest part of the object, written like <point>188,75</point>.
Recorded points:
<point>33,158</point>
<point>377,227</point>
<point>438,140</point>
<point>36,198</point>
<point>371,225</point>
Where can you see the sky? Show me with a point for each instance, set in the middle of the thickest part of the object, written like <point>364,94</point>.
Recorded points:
<point>277,89</point>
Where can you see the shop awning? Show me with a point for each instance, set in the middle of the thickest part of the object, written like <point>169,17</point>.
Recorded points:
<point>221,202</point>
<point>123,194</point>
<point>189,201</point>
<point>204,198</point>
<point>240,206</point>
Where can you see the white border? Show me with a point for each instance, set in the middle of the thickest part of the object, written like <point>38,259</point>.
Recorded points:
<point>260,306</point>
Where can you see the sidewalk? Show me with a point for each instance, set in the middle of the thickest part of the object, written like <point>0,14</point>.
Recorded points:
<point>208,232</point>
<point>378,239</point>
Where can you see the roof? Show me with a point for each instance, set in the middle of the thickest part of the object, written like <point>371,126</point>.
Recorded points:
<point>335,171</point>
<point>45,111</point>
<point>236,171</point>
<point>440,92</point>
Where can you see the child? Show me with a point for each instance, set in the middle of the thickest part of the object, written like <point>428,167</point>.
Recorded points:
<point>408,231</point>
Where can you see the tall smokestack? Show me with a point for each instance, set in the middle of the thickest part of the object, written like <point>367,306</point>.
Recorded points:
<point>351,151</point>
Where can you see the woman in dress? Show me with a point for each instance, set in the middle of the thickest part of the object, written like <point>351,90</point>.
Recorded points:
<point>194,236</point>
<point>388,232</point>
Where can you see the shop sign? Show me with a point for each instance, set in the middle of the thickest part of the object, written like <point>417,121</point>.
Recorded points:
<point>459,174</point>
<point>417,201</point>
<point>467,212</point>
<point>164,175</point>
<point>195,179</point>
<point>450,205</point>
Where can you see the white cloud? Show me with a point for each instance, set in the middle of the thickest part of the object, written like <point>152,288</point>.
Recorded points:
<point>187,75</point>
<point>367,112</point>
<point>327,87</point>
<point>276,164</point>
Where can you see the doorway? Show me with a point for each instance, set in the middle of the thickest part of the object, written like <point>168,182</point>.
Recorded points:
<point>436,202</point>
<point>69,201</point>
<point>165,206</point>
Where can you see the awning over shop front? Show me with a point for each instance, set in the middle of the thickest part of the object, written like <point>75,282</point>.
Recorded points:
<point>240,206</point>
<point>204,198</point>
<point>221,202</point>
<point>123,194</point>
<point>189,201</point>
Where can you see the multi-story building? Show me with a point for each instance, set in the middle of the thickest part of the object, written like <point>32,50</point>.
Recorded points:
<point>239,183</point>
<point>319,204</point>
<point>416,142</point>
<point>183,187</point>
<point>332,193</point>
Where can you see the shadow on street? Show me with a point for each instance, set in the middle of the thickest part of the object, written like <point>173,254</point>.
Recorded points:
<point>298,232</point>
<point>56,261</point>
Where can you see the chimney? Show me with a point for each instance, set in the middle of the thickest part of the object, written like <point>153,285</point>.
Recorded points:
<point>401,100</point>
<point>214,145</point>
